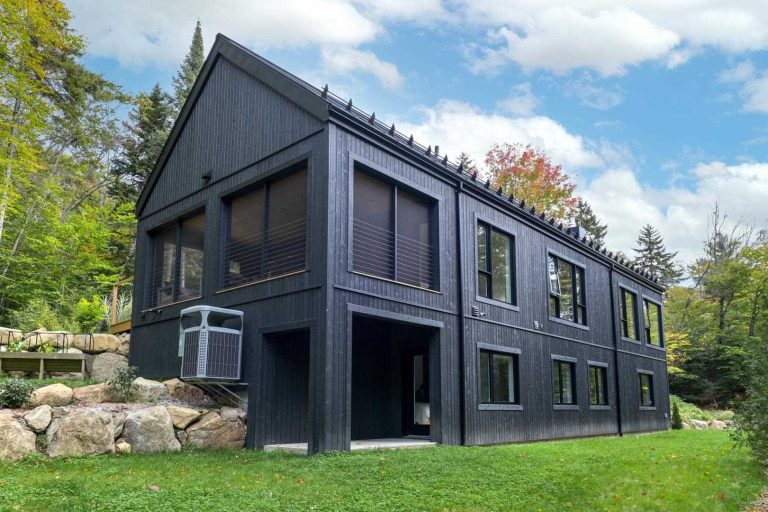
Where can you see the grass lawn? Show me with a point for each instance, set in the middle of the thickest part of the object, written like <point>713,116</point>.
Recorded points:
<point>37,383</point>
<point>676,470</point>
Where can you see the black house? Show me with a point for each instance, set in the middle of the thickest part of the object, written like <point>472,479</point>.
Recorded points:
<point>386,292</point>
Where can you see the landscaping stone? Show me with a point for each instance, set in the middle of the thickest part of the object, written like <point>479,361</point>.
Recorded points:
<point>122,447</point>
<point>182,416</point>
<point>231,413</point>
<point>150,430</point>
<point>98,344</point>
<point>718,425</point>
<point>699,424</point>
<point>124,344</point>
<point>182,437</point>
<point>70,350</point>
<point>118,422</point>
<point>104,366</point>
<point>86,433</point>
<point>54,395</point>
<point>213,432</point>
<point>15,440</point>
<point>94,394</point>
<point>183,391</point>
<point>39,418</point>
<point>148,390</point>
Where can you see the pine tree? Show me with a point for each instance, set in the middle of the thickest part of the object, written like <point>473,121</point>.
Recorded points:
<point>653,257</point>
<point>466,162</point>
<point>587,219</point>
<point>190,68</point>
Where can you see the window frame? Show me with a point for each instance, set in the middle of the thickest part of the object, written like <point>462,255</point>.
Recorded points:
<point>503,351</point>
<point>660,328</point>
<point>651,386</point>
<point>573,362</point>
<point>491,227</point>
<point>576,268</point>
<point>358,163</point>
<point>622,311</point>
<point>606,404</point>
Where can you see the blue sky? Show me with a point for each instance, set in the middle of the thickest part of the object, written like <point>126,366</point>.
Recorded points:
<point>656,108</point>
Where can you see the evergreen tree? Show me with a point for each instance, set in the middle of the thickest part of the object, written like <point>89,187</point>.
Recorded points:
<point>466,161</point>
<point>587,219</point>
<point>653,257</point>
<point>190,68</point>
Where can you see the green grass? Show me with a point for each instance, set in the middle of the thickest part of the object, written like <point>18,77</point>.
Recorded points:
<point>38,383</point>
<point>680,470</point>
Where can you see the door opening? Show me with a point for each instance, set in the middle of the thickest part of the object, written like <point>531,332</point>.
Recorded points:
<point>416,411</point>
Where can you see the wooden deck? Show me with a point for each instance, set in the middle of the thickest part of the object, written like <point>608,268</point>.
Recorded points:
<point>42,362</point>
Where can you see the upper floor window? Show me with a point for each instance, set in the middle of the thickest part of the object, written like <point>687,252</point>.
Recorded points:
<point>563,382</point>
<point>653,331</point>
<point>177,261</point>
<point>567,296</point>
<point>266,231</point>
<point>598,385</point>
<point>498,378</point>
<point>646,390</point>
<point>392,235</point>
<point>628,311</point>
<point>495,261</point>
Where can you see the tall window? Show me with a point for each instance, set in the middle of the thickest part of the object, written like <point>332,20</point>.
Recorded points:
<point>495,262</point>
<point>266,233</point>
<point>628,312</point>
<point>392,234</point>
<point>653,332</point>
<point>598,385</point>
<point>177,261</point>
<point>498,378</point>
<point>564,382</point>
<point>567,296</point>
<point>646,390</point>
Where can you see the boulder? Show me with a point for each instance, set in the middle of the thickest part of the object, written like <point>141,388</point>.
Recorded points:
<point>699,424</point>
<point>70,350</point>
<point>118,422</point>
<point>54,395</point>
<point>145,389</point>
<point>122,447</point>
<point>96,343</point>
<point>718,425</point>
<point>212,432</point>
<point>124,346</point>
<point>104,366</point>
<point>232,414</point>
<point>85,433</point>
<point>39,418</point>
<point>15,440</point>
<point>94,394</point>
<point>182,437</point>
<point>150,430</point>
<point>185,392</point>
<point>182,416</point>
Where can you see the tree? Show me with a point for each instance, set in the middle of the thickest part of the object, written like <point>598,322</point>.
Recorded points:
<point>587,219</point>
<point>190,68</point>
<point>466,162</point>
<point>530,176</point>
<point>652,256</point>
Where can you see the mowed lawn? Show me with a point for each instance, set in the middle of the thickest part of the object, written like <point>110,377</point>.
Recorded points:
<point>676,470</point>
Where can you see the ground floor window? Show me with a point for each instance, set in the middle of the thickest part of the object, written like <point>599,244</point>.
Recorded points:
<point>598,385</point>
<point>564,382</point>
<point>498,378</point>
<point>646,390</point>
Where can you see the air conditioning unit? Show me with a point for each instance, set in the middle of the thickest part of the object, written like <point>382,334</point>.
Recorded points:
<point>210,343</point>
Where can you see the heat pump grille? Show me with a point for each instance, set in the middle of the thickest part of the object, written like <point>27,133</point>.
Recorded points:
<point>223,356</point>
<point>189,360</point>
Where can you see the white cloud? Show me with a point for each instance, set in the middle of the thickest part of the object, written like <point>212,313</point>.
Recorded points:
<point>753,86</point>
<point>342,60</point>
<point>594,96</point>
<point>521,102</point>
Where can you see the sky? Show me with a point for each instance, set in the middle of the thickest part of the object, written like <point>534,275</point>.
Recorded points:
<point>656,108</point>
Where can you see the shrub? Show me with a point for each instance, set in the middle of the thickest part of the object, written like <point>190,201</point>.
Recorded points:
<point>46,348</point>
<point>89,314</point>
<point>121,384</point>
<point>39,314</point>
<point>677,420</point>
<point>16,346</point>
<point>14,393</point>
<point>751,418</point>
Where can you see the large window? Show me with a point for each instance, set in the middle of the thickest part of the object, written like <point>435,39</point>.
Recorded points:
<point>266,232</point>
<point>598,385</point>
<point>646,390</point>
<point>567,296</point>
<point>498,378</point>
<point>628,311</point>
<point>563,382</point>
<point>654,334</point>
<point>392,236</point>
<point>177,261</point>
<point>495,263</point>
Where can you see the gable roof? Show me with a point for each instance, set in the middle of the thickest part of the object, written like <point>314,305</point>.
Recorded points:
<point>324,105</point>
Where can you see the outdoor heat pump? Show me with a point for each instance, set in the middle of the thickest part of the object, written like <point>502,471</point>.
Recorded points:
<point>210,343</point>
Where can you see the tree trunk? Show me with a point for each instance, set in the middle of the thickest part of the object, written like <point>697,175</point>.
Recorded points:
<point>8,168</point>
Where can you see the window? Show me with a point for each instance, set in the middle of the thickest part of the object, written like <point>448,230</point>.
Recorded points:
<point>646,390</point>
<point>498,378</point>
<point>598,385</point>
<point>495,261</point>
<point>564,382</point>
<point>392,233</point>
<point>177,261</point>
<point>628,311</point>
<point>267,231</point>
<point>567,296</point>
<point>653,331</point>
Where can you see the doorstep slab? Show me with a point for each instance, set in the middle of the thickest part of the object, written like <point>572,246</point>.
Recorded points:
<point>395,443</point>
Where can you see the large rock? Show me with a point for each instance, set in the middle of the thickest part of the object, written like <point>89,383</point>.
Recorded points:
<point>186,392</point>
<point>699,424</point>
<point>124,346</point>
<point>118,422</point>
<point>150,430</point>
<point>15,440</point>
<point>718,425</point>
<point>104,366</point>
<point>86,433</point>
<point>96,343</point>
<point>122,447</point>
<point>146,390</point>
<point>232,414</point>
<point>94,394</point>
<point>39,418</point>
<point>54,395</point>
<point>213,432</point>
<point>182,416</point>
